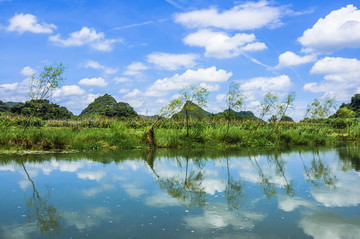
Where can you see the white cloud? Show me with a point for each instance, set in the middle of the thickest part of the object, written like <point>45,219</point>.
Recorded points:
<point>291,59</point>
<point>339,29</point>
<point>98,66</point>
<point>121,80</point>
<point>101,82</point>
<point>162,87</point>
<point>12,86</point>
<point>341,77</point>
<point>221,45</point>
<point>135,68</point>
<point>289,204</point>
<point>123,91</point>
<point>28,71</point>
<point>247,16</point>
<point>28,23</point>
<point>86,36</point>
<point>134,93</point>
<point>172,61</point>
<point>68,90</point>
<point>220,97</point>
<point>261,85</point>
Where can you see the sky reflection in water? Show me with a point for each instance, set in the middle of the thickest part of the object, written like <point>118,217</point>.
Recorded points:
<point>182,194</point>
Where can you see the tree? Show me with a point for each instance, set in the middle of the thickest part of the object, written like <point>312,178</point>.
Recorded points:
<point>43,86</point>
<point>320,108</point>
<point>284,106</point>
<point>234,100</point>
<point>344,112</point>
<point>188,99</point>
<point>268,104</point>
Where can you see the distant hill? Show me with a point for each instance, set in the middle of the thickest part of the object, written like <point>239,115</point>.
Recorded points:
<point>11,103</point>
<point>106,105</point>
<point>196,112</point>
<point>237,115</point>
<point>42,109</point>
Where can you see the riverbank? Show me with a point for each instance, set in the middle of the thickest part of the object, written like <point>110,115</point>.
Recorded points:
<point>112,134</point>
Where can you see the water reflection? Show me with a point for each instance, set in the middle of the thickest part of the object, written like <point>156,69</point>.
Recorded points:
<point>183,194</point>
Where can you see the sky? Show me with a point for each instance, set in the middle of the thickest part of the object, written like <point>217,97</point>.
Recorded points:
<point>144,52</point>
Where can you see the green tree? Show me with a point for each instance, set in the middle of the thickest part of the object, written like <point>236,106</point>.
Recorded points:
<point>268,105</point>
<point>42,87</point>
<point>320,108</point>
<point>344,113</point>
<point>234,100</point>
<point>189,98</point>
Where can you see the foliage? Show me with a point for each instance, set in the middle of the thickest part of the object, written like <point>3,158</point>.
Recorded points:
<point>4,107</point>
<point>268,105</point>
<point>320,108</point>
<point>42,109</point>
<point>107,106</point>
<point>42,87</point>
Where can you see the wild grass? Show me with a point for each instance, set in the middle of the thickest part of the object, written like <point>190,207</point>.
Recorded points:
<point>113,134</point>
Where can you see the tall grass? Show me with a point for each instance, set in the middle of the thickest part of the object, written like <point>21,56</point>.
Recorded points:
<point>113,134</point>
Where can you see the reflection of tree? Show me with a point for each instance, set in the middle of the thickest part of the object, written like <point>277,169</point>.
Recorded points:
<point>189,190</point>
<point>234,190</point>
<point>351,157</point>
<point>265,183</point>
<point>41,211</point>
<point>318,171</point>
<point>280,165</point>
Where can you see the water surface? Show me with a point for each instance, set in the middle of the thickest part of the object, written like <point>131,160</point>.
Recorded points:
<point>307,193</point>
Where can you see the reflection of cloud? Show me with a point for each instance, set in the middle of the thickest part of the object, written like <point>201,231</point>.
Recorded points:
<point>16,231</point>
<point>7,168</point>
<point>212,185</point>
<point>328,225</point>
<point>217,217</point>
<point>24,184</point>
<point>87,220</point>
<point>346,192</point>
<point>289,204</point>
<point>161,200</point>
<point>133,191</point>
<point>130,164</point>
<point>91,175</point>
<point>93,191</point>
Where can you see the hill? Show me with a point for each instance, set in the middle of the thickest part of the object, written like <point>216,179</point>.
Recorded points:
<point>42,109</point>
<point>350,110</point>
<point>237,115</point>
<point>106,105</point>
<point>195,111</point>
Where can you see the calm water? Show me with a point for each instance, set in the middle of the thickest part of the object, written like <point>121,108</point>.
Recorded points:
<point>182,194</point>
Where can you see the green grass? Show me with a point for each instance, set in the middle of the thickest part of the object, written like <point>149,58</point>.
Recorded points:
<point>113,134</point>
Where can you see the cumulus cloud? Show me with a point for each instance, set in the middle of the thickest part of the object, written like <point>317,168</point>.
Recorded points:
<point>12,86</point>
<point>291,59</point>
<point>28,71</point>
<point>86,36</point>
<point>338,30</point>
<point>68,90</point>
<point>209,75</point>
<point>221,45</point>
<point>135,68</point>
<point>98,66</point>
<point>121,80</point>
<point>172,61</point>
<point>247,16</point>
<point>28,23</point>
<point>100,82</point>
<point>260,85</point>
<point>341,77</point>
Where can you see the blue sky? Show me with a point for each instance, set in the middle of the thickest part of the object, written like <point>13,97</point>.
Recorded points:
<point>144,52</point>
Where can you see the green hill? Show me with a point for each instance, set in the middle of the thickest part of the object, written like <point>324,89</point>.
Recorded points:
<point>350,110</point>
<point>195,111</point>
<point>106,105</point>
<point>237,115</point>
<point>42,109</point>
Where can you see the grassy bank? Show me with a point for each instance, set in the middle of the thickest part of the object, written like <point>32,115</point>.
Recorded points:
<point>113,134</point>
